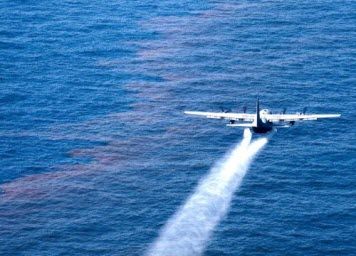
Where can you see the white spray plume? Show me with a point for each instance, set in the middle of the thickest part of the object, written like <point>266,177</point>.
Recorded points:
<point>188,230</point>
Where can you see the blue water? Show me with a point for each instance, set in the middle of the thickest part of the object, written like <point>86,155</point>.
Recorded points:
<point>96,154</point>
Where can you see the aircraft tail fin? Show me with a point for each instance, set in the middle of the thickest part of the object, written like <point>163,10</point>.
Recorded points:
<point>258,109</point>
<point>257,120</point>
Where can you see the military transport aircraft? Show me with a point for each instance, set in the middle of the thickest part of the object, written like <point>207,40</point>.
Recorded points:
<point>262,121</point>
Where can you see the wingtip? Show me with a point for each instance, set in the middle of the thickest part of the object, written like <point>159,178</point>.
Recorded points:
<point>335,115</point>
<point>189,112</point>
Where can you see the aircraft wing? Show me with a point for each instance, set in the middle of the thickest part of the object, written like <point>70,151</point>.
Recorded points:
<point>297,117</point>
<point>221,115</point>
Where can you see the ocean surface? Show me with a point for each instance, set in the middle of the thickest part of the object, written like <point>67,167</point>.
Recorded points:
<point>96,153</point>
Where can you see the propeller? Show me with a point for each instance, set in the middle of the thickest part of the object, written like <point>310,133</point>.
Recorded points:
<point>284,110</point>
<point>304,110</point>
<point>244,109</point>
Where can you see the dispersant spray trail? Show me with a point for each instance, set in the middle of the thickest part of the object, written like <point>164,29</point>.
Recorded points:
<point>188,230</point>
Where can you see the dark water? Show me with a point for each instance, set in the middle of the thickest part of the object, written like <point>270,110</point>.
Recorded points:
<point>96,154</point>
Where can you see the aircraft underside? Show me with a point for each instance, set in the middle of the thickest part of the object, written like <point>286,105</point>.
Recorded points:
<point>261,129</point>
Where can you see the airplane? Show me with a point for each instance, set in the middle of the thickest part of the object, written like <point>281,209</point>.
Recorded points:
<point>263,121</point>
